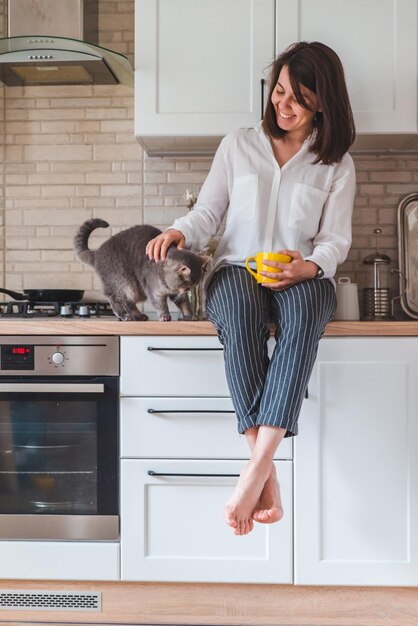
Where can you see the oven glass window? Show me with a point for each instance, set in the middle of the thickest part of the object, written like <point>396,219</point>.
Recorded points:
<point>58,453</point>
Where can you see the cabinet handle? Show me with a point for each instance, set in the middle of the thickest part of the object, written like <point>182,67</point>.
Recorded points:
<point>153,349</point>
<point>152,473</point>
<point>189,411</point>
<point>307,393</point>
<point>262,97</point>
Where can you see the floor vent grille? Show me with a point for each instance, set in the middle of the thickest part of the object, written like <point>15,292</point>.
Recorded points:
<point>50,601</point>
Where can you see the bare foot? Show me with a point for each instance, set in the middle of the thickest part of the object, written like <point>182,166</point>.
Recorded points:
<point>239,508</point>
<point>269,508</point>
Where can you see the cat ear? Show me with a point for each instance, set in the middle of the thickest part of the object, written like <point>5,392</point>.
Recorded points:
<point>186,271</point>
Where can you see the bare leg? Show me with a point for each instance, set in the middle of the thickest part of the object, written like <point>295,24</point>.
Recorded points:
<point>254,476</point>
<point>269,508</point>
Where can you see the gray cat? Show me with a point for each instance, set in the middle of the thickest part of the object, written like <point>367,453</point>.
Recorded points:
<point>129,276</point>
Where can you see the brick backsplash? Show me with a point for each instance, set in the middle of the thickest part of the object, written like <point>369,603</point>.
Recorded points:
<point>61,169</point>
<point>69,154</point>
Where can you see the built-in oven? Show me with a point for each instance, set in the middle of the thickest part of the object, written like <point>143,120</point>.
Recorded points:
<point>59,399</point>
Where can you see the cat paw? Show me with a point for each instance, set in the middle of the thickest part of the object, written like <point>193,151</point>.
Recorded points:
<point>132,317</point>
<point>166,317</point>
<point>121,316</point>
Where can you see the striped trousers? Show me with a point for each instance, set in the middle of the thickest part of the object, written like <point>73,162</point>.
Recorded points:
<point>268,390</point>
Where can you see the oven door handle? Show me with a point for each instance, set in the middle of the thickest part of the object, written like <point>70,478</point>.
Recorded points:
<point>51,388</point>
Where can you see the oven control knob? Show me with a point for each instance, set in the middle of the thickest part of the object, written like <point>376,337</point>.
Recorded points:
<point>58,358</point>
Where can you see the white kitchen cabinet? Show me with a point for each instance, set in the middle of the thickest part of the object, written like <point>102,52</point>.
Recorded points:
<point>377,41</point>
<point>355,510</point>
<point>198,69</point>
<point>173,527</point>
<point>177,420</point>
<point>200,65</point>
<point>356,465</point>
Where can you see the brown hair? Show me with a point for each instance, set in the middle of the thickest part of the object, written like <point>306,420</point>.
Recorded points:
<point>317,67</point>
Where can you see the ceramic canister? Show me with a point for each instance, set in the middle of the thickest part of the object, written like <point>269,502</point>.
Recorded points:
<point>347,300</point>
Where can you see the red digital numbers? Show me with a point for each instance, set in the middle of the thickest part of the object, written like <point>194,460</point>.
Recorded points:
<point>20,350</point>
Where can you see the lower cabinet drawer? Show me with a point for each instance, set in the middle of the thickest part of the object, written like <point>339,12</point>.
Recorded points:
<point>173,528</point>
<point>184,428</point>
<point>59,560</point>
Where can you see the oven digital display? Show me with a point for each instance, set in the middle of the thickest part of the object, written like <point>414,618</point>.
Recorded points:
<point>20,350</point>
<point>17,357</point>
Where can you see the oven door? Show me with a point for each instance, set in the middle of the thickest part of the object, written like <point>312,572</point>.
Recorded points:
<point>59,458</point>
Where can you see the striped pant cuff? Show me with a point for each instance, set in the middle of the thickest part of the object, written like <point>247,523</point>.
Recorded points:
<point>244,423</point>
<point>291,426</point>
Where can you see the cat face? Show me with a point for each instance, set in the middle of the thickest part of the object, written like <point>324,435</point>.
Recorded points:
<point>184,269</point>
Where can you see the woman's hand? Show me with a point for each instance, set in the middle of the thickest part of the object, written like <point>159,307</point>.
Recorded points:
<point>294,272</point>
<point>157,248</point>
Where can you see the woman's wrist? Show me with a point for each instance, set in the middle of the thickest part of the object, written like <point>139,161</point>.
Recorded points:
<point>313,269</point>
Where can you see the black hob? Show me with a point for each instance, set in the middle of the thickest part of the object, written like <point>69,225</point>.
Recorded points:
<point>85,310</point>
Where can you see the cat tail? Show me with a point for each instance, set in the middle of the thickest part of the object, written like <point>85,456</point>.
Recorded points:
<point>81,239</point>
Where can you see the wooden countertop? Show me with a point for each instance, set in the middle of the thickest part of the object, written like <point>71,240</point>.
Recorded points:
<point>103,326</point>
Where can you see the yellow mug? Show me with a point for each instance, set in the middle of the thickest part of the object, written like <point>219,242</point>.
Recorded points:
<point>266,256</point>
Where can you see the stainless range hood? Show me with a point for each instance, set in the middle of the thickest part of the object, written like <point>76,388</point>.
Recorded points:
<point>50,43</point>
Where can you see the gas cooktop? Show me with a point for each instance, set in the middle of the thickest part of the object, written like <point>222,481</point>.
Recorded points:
<point>67,310</point>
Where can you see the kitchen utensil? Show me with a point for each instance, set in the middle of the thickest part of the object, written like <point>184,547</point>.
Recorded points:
<point>259,259</point>
<point>347,300</point>
<point>378,298</point>
<point>46,295</point>
<point>408,254</point>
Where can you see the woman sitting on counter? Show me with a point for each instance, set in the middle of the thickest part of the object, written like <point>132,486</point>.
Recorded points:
<point>286,185</point>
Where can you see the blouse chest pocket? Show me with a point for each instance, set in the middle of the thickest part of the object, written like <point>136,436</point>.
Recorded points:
<point>244,198</point>
<point>306,208</point>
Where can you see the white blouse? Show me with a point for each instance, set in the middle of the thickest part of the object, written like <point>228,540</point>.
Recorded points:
<point>300,206</point>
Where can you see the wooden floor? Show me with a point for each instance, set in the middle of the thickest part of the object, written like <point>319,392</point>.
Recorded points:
<point>225,605</point>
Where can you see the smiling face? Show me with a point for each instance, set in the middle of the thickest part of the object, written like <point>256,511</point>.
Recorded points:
<point>290,115</point>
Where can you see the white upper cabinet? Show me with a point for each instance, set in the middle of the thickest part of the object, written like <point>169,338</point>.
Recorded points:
<point>198,69</point>
<point>199,66</point>
<point>356,465</point>
<point>377,43</point>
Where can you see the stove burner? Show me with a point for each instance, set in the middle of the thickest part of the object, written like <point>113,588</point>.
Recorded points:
<point>92,309</point>
<point>85,310</point>
<point>29,309</point>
